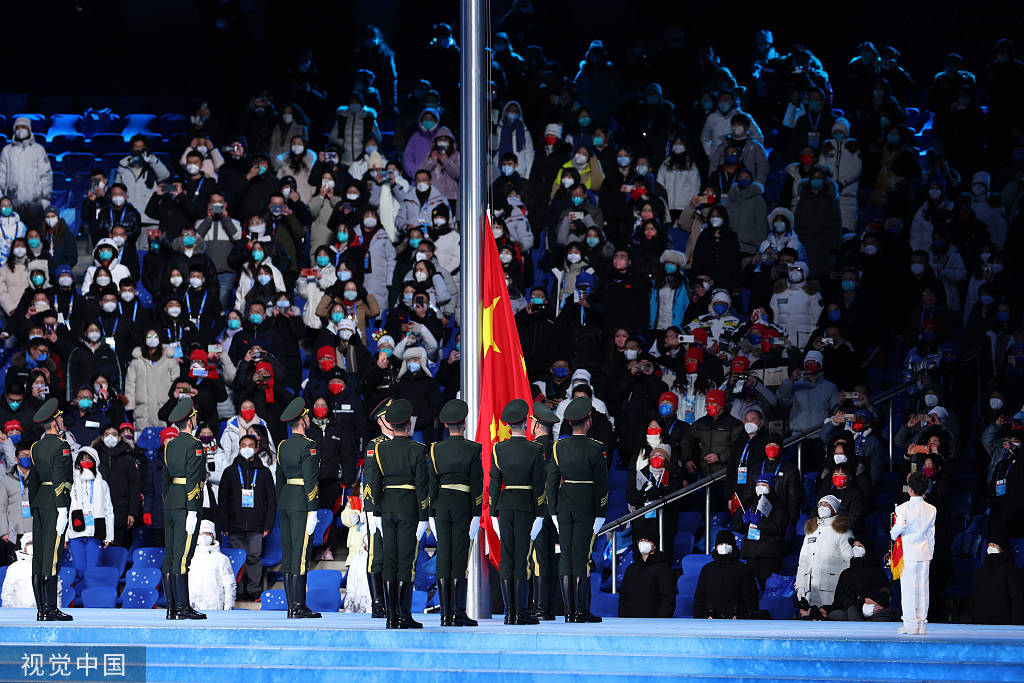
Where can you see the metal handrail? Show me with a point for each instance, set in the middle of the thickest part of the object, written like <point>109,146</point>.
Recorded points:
<point>662,502</point>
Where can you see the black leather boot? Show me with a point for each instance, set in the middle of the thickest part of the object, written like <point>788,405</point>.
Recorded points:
<point>375,580</point>
<point>583,615</point>
<point>38,594</point>
<point>459,588</point>
<point>297,606</point>
<point>53,612</point>
<point>568,588</point>
<point>172,607</point>
<point>185,611</point>
<point>405,619</point>
<point>444,597</point>
<point>286,579</point>
<point>508,597</point>
<point>391,604</point>
<point>542,599</point>
<point>522,598</point>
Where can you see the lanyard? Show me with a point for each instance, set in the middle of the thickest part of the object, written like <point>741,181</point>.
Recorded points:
<point>743,458</point>
<point>21,482</point>
<point>104,327</point>
<point>120,221</point>
<point>241,480</point>
<point>815,122</point>
<point>199,187</point>
<point>776,469</point>
<point>174,333</point>
<point>71,306</point>
<point>188,303</point>
<point>135,310</point>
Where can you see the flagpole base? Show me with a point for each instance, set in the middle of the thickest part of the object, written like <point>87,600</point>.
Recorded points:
<point>478,596</point>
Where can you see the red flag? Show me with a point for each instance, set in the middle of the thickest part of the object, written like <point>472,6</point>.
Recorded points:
<point>735,504</point>
<point>502,369</point>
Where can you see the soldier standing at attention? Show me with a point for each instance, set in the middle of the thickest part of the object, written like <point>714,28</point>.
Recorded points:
<point>577,489</point>
<point>544,421</point>
<point>184,473</point>
<point>298,469</point>
<point>397,500</point>
<point>517,496</point>
<point>49,490</point>
<point>456,494</point>
<point>374,558</point>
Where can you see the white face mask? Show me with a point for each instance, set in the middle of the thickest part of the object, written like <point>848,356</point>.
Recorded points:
<point>762,490</point>
<point>93,336</point>
<point>868,609</point>
<point>440,220</point>
<point>750,427</point>
<point>19,252</point>
<point>176,280</point>
<point>505,257</point>
<point>202,149</point>
<point>42,306</point>
<point>995,403</point>
<point>580,159</point>
<point>52,221</point>
<point>287,118</point>
<point>716,221</point>
<point>739,131</point>
<point>931,400</point>
<point>152,342</point>
<point>796,275</point>
<point>345,334</point>
<point>118,200</point>
<point>352,196</point>
<point>205,539</point>
<point>858,551</point>
<point>678,149</point>
<point>573,257</point>
<point>65,281</point>
<point>935,193</point>
<point>247,452</point>
<point>422,187</point>
<point>174,311</point>
<point>723,548</point>
<point>654,439</point>
<point>420,275</point>
<point>567,182</point>
<point>21,133</point>
<point>840,458</point>
<point>630,354</point>
<point>257,228</point>
<point>103,280</point>
<point>645,547</point>
<point>824,511</point>
<point>118,241</point>
<point>780,226</point>
<point>109,306</point>
<point>992,550</point>
<point>192,169</point>
<point>298,149</point>
<point>370,222</point>
<point>110,441</point>
<point>195,282</point>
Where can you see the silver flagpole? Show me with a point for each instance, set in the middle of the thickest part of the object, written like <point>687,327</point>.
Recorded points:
<point>472,193</point>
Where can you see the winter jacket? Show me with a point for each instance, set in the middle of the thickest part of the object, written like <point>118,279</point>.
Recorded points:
<point>351,130</point>
<point>779,241</point>
<point>719,125</point>
<point>444,173</point>
<point>648,588</point>
<point>259,517</point>
<point>121,473</point>
<point>953,275</point>
<point>234,430</point>
<point>785,496</point>
<point>753,156</point>
<point>680,301</point>
<point>922,225</point>
<point>322,208</point>
<point>796,308</point>
<point>825,554</point>
<point>411,212</point>
<point>25,173</point>
<point>681,184</point>
<point>818,223</point>
<point>998,591</point>
<point>13,283</point>
<point>417,149</point>
<point>844,160</point>
<point>10,228</point>
<point>514,138</point>
<point>84,363</point>
<point>591,175</point>
<point>725,588</point>
<point>810,400</point>
<point>313,288</point>
<point>141,185</point>
<point>211,580</point>
<point>747,213</point>
<point>17,590</point>
<point>717,253</point>
<point>283,166</point>
<point>379,263</point>
<point>281,137</point>
<point>712,435</point>
<point>862,579</point>
<point>147,384</point>
<point>13,491</point>
<point>218,238</point>
<point>339,440</point>
<point>92,497</point>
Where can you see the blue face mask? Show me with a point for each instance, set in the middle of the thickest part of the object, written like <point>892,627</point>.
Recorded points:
<point>598,141</point>
<point>665,409</point>
<point>25,462</point>
<point>744,183</point>
<point>577,200</point>
<point>428,125</point>
<point>671,268</point>
<point>38,280</point>
<point>593,242</point>
<point>414,366</point>
<point>42,358</point>
<point>34,243</point>
<point>817,183</point>
<point>255,318</point>
<point>387,352</point>
<point>834,315</point>
<point>560,372</point>
<point>407,298</point>
<point>257,256</point>
<point>986,299</point>
<point>814,105</point>
<point>458,346</point>
<point>893,138</point>
<point>322,261</point>
<point>584,121</point>
<point>106,254</point>
<point>189,240</point>
<point>337,316</point>
<point>731,159</point>
<point>849,285</point>
<point>342,236</point>
<point>85,403</point>
<point>721,308</point>
<point>706,105</point>
<point>14,405</point>
<point>15,438</point>
<point>1003,316</point>
<point>724,106</point>
<point>537,301</point>
<point>414,242</point>
<point>755,339</point>
<point>6,211</point>
<point>234,323</point>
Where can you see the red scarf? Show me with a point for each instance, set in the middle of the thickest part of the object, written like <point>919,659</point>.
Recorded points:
<point>268,390</point>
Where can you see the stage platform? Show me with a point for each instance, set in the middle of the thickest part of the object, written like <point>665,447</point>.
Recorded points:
<point>261,647</point>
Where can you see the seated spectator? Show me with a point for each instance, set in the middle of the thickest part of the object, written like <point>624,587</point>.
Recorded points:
<point>648,588</point>
<point>825,553</point>
<point>211,580</point>
<point>998,587</point>
<point>725,588</point>
<point>17,589</point>
<point>863,591</point>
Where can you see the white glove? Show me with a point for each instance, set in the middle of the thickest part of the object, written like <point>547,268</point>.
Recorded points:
<point>191,520</point>
<point>598,523</point>
<point>474,528</point>
<point>62,520</point>
<point>373,521</point>
<point>554,520</point>
<point>421,531</point>
<point>538,523</point>
<point>494,525</point>
<point>433,526</point>
<point>310,522</point>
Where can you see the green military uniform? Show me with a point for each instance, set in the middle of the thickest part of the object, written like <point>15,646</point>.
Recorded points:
<point>298,469</point>
<point>375,558</point>
<point>49,492</point>
<point>577,490</point>
<point>396,491</point>
<point>456,495</point>
<point>184,474</point>
<point>544,544</point>
<point>517,495</point>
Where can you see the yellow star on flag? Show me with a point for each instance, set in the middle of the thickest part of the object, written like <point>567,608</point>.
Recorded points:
<point>487,327</point>
<point>499,430</point>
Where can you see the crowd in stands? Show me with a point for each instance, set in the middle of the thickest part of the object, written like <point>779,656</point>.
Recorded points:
<point>723,257</point>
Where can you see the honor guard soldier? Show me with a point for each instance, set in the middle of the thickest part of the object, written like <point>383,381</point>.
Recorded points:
<point>544,421</point>
<point>397,501</point>
<point>456,495</point>
<point>516,494</point>
<point>577,490</point>
<point>184,473</point>
<point>298,468</point>
<point>49,490</point>
<point>375,559</point>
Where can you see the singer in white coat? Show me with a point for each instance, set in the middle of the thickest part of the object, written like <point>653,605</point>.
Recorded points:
<point>915,524</point>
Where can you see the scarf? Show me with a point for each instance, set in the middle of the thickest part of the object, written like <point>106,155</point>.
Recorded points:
<point>268,390</point>
<point>513,137</point>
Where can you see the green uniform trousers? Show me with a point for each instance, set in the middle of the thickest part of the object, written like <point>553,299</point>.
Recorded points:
<point>296,545</point>
<point>515,526</point>
<point>47,545</point>
<point>179,547</point>
<point>452,544</point>
<point>399,546</point>
<point>576,537</point>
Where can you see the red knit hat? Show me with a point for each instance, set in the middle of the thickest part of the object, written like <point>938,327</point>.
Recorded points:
<point>167,434</point>
<point>695,353</point>
<point>126,425</point>
<point>715,396</point>
<point>669,397</point>
<point>12,424</point>
<point>742,361</point>
<point>701,335</point>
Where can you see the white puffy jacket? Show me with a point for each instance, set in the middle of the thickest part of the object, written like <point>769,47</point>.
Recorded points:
<point>796,308</point>
<point>681,184</point>
<point>25,173</point>
<point>826,552</point>
<point>952,274</point>
<point>138,191</point>
<point>17,590</point>
<point>147,385</point>
<point>211,580</point>
<point>234,430</point>
<point>92,497</point>
<point>313,291</point>
<point>718,125</point>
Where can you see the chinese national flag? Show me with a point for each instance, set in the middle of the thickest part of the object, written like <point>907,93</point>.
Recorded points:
<point>502,369</point>
<point>896,556</point>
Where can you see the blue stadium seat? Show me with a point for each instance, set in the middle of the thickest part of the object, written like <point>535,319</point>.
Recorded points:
<point>67,575</point>
<point>3,575</point>
<point>100,121</point>
<point>77,162</point>
<point>138,598</point>
<point>419,601</point>
<point>237,558</point>
<point>789,565</point>
<point>67,595</point>
<point>323,526</point>
<point>104,597</point>
<point>684,606</point>
<point>963,578</point>
<point>683,545</point>
<point>273,601</point>
<point>800,522</point>
<point>1017,546</point>
<point>321,600</point>
<point>64,124</point>
<point>720,519</point>
<point>891,482</point>
<point>323,579</point>
<point>272,553</point>
<point>692,564</point>
<point>107,143</point>
<point>143,577</point>
<point>689,520</point>
<point>135,124</point>
<point>114,556</point>
<point>67,142</point>
<point>171,125</point>
<point>780,607</point>
<point>148,558</point>
<point>97,577</point>
<point>604,604</point>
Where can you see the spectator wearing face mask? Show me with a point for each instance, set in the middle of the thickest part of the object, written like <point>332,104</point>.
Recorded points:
<point>825,553</point>
<point>248,503</point>
<point>25,173</point>
<point>718,124</point>
<point>656,474</point>
<point>11,228</point>
<point>139,173</point>
<point>725,588</point>
<point>817,218</point>
<point>417,385</point>
<point>354,125</point>
<point>238,426</point>
<point>15,514</point>
<point>1006,484</point>
<point>747,211</point>
<point>17,587</point>
<point>716,251</point>
<point>339,428</point>
<point>211,579</point>
<point>121,473</point>
<point>105,256</point>
<point>92,355</point>
<point>151,372</point>
<point>863,592</point>
<point>808,394</point>
<point>91,513</point>
<point>998,586</point>
<point>868,448</point>
<point>708,445</point>
<point>418,147</point>
<point>648,587</point>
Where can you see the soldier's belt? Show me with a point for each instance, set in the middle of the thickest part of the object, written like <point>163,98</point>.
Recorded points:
<point>47,483</point>
<point>296,481</point>
<point>401,486</point>
<point>579,481</point>
<point>464,488</point>
<point>179,480</point>
<point>518,488</point>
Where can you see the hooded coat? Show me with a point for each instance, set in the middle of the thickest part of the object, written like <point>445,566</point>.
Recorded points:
<point>25,173</point>
<point>211,579</point>
<point>726,587</point>
<point>417,149</point>
<point>747,213</point>
<point>147,384</point>
<point>825,554</point>
<point>444,173</point>
<point>514,138</point>
<point>648,588</point>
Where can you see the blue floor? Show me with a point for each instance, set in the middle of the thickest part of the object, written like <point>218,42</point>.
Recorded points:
<point>264,647</point>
